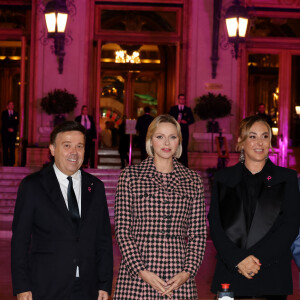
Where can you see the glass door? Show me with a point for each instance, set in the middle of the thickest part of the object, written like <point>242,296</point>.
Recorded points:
<point>273,89</point>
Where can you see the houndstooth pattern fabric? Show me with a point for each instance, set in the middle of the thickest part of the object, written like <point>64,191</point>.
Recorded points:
<point>160,226</point>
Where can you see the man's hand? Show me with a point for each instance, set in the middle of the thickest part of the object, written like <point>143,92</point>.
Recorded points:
<point>24,296</point>
<point>102,295</point>
<point>249,266</point>
<point>152,279</point>
<point>176,282</point>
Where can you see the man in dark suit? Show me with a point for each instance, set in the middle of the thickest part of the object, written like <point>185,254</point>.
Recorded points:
<point>141,126</point>
<point>261,111</point>
<point>88,123</point>
<point>61,245</point>
<point>184,116</point>
<point>10,122</point>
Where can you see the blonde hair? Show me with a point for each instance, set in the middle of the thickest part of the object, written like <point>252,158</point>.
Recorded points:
<point>153,126</point>
<point>245,126</point>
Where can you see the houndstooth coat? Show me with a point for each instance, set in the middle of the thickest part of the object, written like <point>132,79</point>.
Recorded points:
<point>160,224</point>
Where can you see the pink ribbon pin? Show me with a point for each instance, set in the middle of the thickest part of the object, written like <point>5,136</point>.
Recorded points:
<point>269,177</point>
<point>89,188</point>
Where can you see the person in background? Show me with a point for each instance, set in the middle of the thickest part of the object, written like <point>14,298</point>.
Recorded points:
<point>254,219</point>
<point>10,122</point>
<point>261,112</point>
<point>114,134</point>
<point>124,142</point>
<point>88,123</point>
<point>141,126</point>
<point>160,221</point>
<point>184,116</point>
<point>106,136</point>
<point>61,245</point>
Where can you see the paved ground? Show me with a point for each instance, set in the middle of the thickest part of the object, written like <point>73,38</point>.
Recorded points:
<point>203,278</point>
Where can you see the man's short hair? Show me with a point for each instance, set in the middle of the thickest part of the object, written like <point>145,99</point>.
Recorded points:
<point>180,95</point>
<point>147,109</point>
<point>66,126</point>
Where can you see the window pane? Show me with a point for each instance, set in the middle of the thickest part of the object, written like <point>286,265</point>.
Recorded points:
<point>138,21</point>
<point>263,84</point>
<point>275,27</point>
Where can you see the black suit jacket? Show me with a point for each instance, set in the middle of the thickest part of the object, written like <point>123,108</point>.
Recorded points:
<point>9,122</point>
<point>142,125</point>
<point>187,115</point>
<point>274,227</point>
<point>93,133</point>
<point>46,247</point>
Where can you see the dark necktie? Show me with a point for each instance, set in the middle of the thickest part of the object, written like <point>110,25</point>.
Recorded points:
<point>85,122</point>
<point>72,202</point>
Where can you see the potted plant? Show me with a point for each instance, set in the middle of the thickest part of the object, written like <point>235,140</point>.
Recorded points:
<point>210,107</point>
<point>58,103</point>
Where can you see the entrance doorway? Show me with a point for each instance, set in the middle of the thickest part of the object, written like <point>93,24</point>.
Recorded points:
<point>272,80</point>
<point>140,51</point>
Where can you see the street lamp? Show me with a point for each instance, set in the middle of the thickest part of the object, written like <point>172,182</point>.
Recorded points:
<point>236,18</point>
<point>56,16</point>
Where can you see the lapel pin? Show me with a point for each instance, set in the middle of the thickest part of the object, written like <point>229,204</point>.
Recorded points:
<point>269,178</point>
<point>89,189</point>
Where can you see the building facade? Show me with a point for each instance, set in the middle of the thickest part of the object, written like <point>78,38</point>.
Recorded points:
<point>174,40</point>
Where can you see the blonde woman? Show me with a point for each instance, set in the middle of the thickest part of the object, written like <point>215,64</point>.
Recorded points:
<point>254,219</point>
<point>160,221</point>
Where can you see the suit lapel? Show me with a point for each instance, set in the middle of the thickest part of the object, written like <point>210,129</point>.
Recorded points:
<point>268,206</point>
<point>51,185</point>
<point>87,192</point>
<point>233,220</point>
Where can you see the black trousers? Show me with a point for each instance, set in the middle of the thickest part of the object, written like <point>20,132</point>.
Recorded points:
<point>77,292</point>
<point>88,149</point>
<point>184,156</point>
<point>8,141</point>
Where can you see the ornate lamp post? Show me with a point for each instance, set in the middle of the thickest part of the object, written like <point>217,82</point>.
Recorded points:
<point>236,23</point>
<point>56,16</point>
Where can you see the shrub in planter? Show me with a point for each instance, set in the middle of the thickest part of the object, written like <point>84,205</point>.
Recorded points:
<point>210,107</point>
<point>59,102</point>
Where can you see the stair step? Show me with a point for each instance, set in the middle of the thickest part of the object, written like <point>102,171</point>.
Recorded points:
<point>111,151</point>
<point>6,203</point>
<point>8,196</point>
<point>7,210</point>
<point>24,170</point>
<point>10,182</point>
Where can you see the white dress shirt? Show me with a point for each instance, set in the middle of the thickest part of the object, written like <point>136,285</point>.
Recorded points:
<point>63,183</point>
<point>88,122</point>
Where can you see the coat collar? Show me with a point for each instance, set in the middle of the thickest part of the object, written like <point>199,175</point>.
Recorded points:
<point>235,175</point>
<point>148,171</point>
<point>51,185</point>
<point>267,208</point>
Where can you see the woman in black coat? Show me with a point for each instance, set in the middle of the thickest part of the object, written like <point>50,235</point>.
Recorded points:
<point>254,219</point>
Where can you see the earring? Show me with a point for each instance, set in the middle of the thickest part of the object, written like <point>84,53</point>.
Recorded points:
<point>242,156</point>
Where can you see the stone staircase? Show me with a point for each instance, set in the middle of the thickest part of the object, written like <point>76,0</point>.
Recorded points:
<point>10,178</point>
<point>109,158</point>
